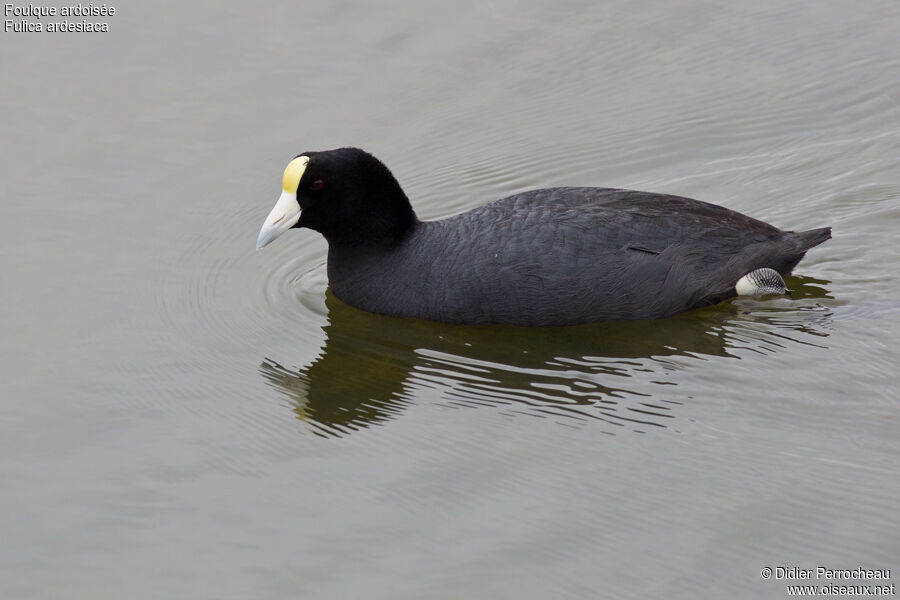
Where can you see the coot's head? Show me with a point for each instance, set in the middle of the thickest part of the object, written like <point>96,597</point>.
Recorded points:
<point>347,195</point>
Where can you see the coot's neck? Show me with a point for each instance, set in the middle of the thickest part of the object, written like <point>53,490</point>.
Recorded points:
<point>390,222</point>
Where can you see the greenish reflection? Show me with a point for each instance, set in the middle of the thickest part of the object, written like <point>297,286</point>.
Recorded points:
<point>620,373</point>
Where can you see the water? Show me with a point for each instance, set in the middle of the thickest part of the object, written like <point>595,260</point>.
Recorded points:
<point>181,416</point>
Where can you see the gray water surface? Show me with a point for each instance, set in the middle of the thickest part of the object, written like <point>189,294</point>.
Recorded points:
<point>184,417</point>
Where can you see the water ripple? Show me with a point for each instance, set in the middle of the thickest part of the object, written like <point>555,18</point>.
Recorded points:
<point>625,375</point>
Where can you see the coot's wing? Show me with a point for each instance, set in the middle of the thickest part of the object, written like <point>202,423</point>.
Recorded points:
<point>587,254</point>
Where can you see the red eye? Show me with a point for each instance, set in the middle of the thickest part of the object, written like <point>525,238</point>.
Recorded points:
<point>318,184</point>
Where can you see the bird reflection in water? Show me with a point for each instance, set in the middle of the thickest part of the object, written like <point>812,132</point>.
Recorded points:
<point>623,374</point>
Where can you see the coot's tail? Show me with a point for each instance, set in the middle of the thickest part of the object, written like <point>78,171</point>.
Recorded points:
<point>812,238</point>
<point>802,241</point>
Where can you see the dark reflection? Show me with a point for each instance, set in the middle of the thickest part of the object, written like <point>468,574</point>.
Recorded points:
<point>619,373</point>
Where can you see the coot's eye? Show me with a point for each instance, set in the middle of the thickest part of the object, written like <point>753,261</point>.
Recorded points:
<point>318,184</point>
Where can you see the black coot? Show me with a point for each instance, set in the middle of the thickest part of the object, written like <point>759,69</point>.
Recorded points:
<point>556,256</point>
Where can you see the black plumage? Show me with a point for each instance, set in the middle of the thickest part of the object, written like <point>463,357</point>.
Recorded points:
<point>556,256</point>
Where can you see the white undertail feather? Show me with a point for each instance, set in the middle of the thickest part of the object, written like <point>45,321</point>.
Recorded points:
<point>760,282</point>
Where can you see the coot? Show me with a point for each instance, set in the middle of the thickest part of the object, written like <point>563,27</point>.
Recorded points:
<point>556,256</point>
